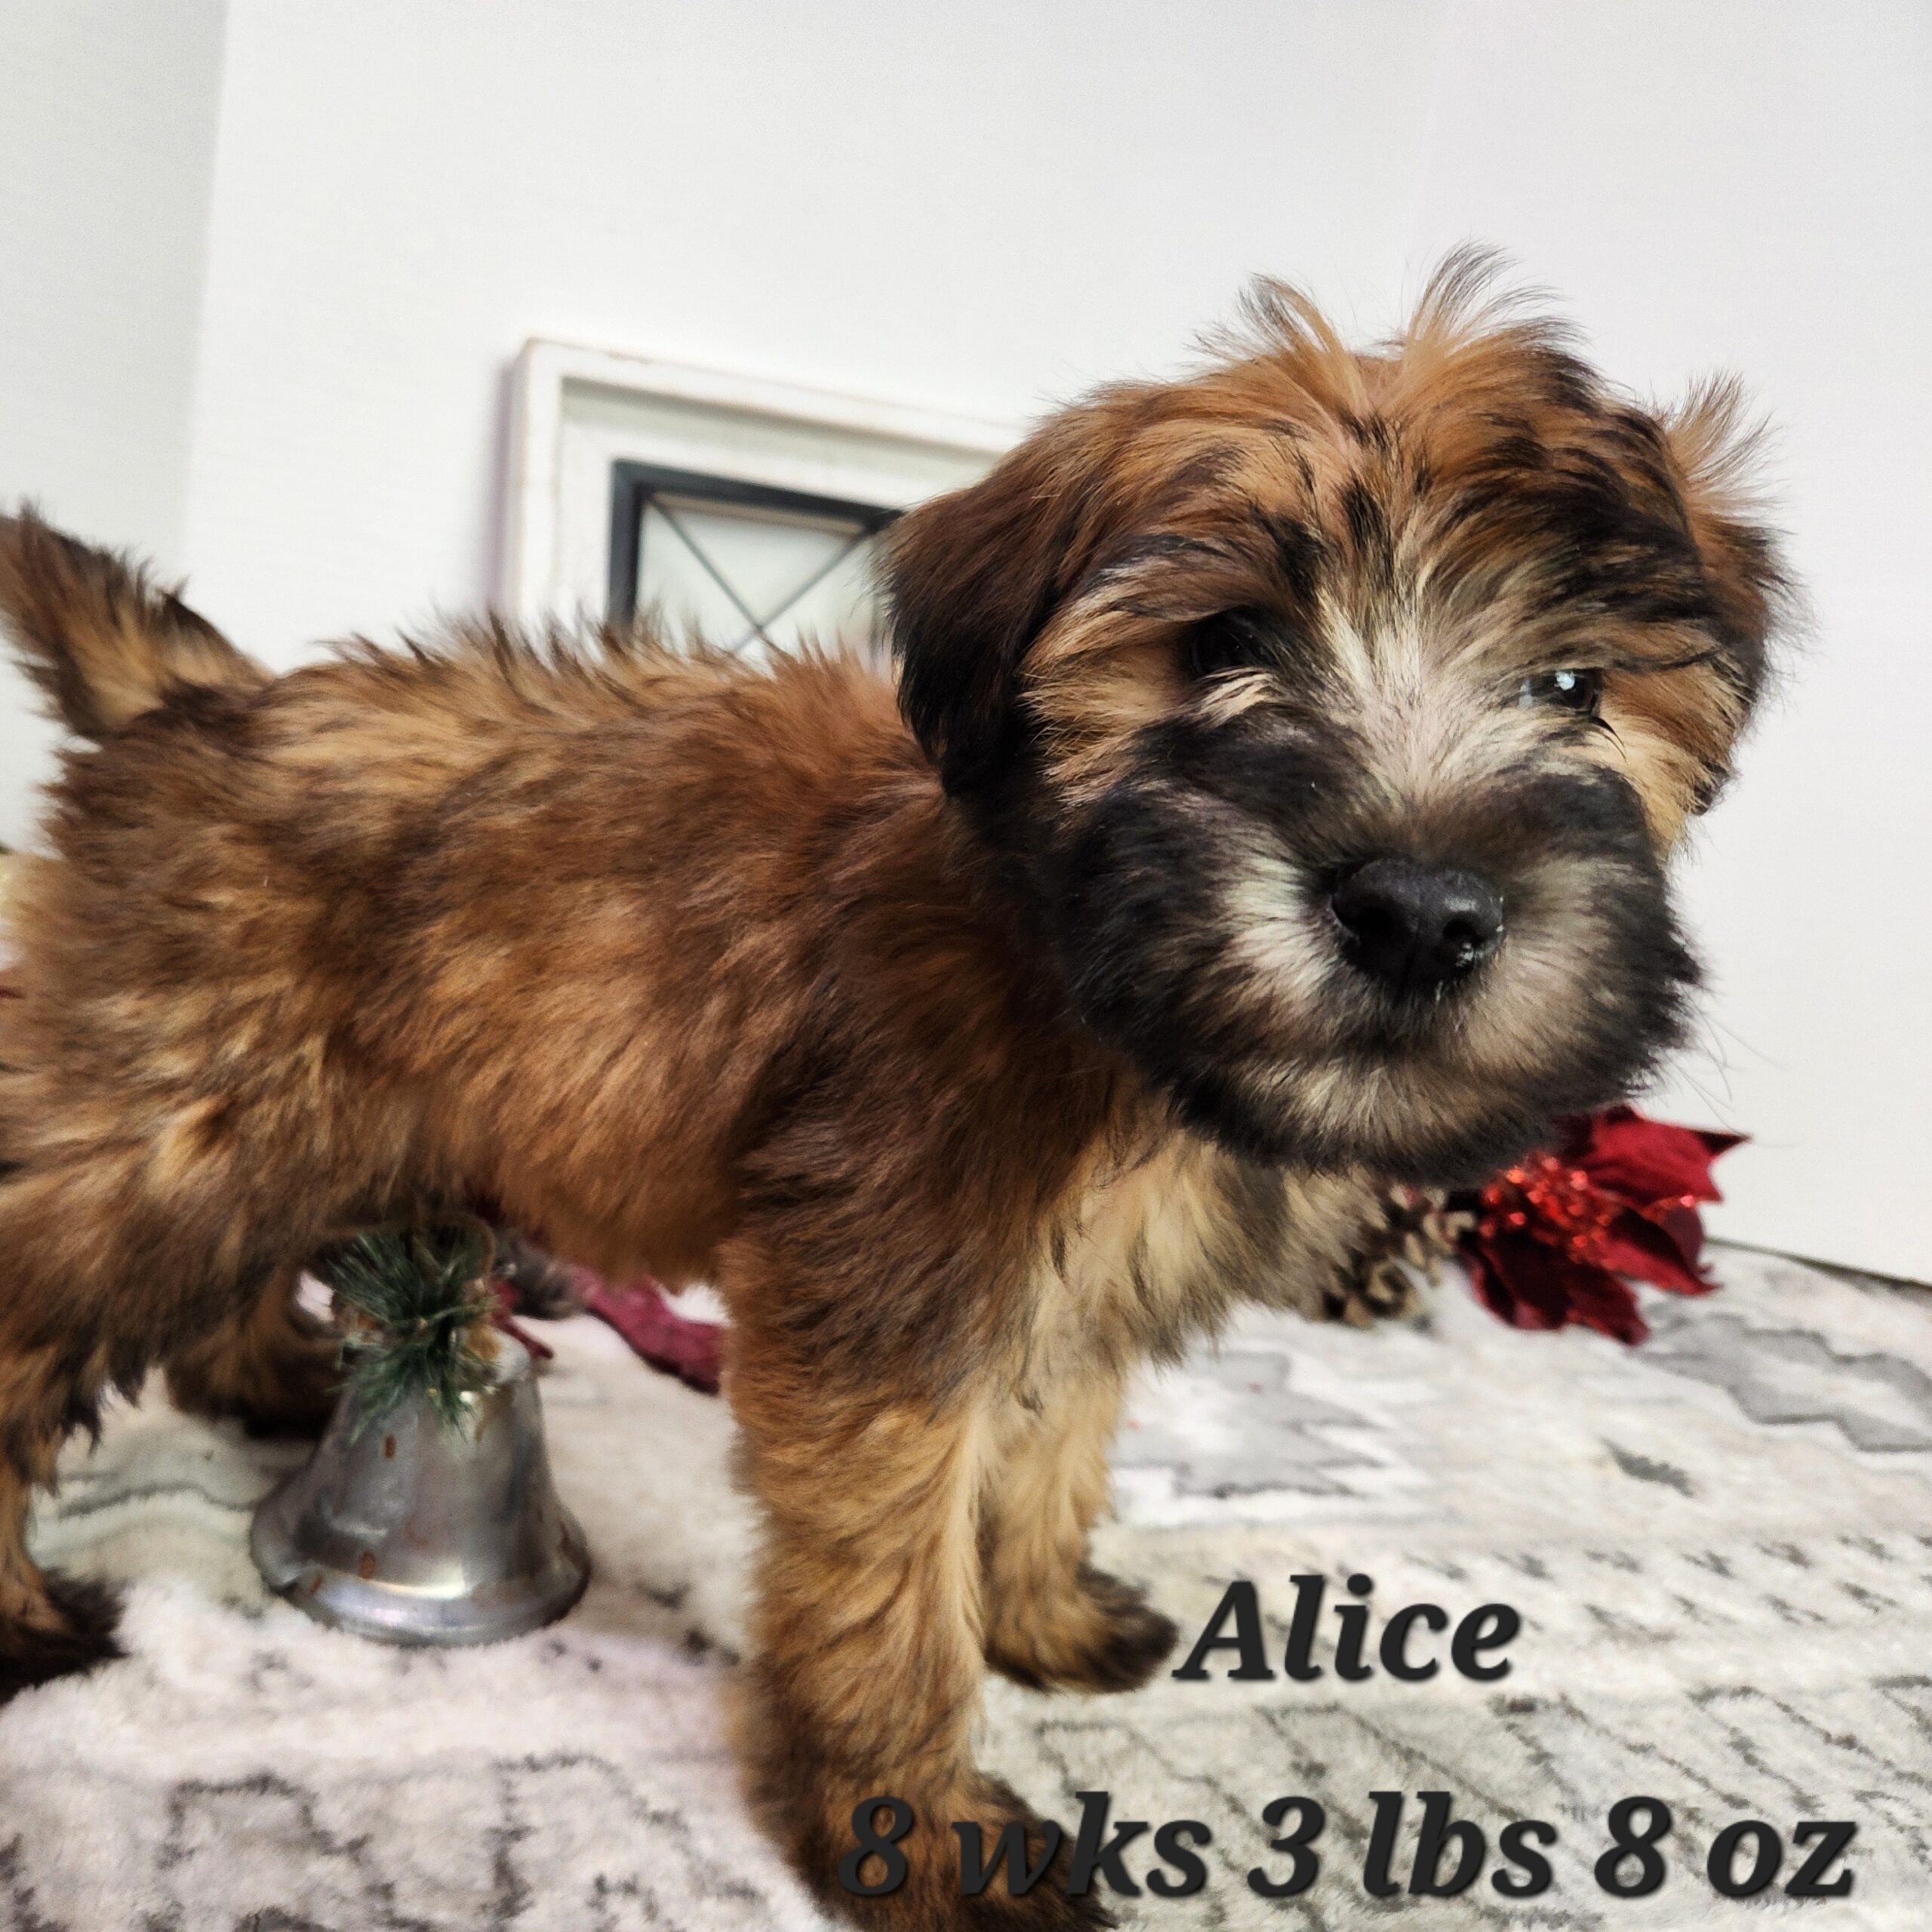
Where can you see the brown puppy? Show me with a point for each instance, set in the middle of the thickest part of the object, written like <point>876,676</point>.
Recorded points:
<point>1273,806</point>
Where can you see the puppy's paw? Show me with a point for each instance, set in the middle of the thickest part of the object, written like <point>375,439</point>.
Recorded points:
<point>935,1895</point>
<point>303,1395</point>
<point>72,1631</point>
<point>292,1392</point>
<point>1103,1635</point>
<point>1046,1908</point>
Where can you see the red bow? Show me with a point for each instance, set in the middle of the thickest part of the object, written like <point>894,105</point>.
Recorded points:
<point>1553,1236</point>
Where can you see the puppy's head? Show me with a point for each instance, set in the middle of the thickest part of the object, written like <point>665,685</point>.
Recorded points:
<point>1339,712</point>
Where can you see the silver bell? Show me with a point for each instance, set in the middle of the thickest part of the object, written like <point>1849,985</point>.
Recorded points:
<point>405,1529</point>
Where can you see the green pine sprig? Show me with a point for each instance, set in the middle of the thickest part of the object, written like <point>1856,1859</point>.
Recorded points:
<point>425,1301</point>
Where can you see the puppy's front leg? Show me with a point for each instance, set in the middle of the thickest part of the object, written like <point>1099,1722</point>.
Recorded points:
<point>867,1670</point>
<point>1053,1621</point>
<point>269,1365</point>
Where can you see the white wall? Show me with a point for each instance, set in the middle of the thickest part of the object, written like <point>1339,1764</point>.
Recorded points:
<point>1748,182</point>
<point>107,127</point>
<point>985,208</point>
<point>955,205</point>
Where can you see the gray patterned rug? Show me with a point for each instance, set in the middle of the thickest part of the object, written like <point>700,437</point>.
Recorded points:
<point>1721,1546</point>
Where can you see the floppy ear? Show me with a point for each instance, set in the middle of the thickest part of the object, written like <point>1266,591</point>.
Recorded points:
<point>1714,449</point>
<point>971,579</point>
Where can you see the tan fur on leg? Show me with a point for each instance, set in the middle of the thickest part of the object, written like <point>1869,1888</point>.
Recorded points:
<point>866,1671</point>
<point>1053,1621</point>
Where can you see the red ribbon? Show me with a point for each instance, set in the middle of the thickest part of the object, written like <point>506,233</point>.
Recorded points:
<point>641,1312</point>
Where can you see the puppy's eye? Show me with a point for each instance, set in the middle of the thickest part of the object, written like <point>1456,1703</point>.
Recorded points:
<point>1578,691</point>
<point>1234,641</point>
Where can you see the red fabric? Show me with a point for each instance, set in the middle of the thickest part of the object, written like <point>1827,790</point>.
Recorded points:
<point>1553,1235</point>
<point>641,1312</point>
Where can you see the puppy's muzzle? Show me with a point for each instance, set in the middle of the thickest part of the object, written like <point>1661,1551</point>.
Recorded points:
<point>1414,926</point>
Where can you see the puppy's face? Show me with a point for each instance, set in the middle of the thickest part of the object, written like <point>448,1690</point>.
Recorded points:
<point>1339,712</point>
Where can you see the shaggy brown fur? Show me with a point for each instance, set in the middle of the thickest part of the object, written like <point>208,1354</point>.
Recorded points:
<point>973,1062</point>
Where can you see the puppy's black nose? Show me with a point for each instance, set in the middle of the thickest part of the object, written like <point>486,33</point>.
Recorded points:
<point>1415,927</point>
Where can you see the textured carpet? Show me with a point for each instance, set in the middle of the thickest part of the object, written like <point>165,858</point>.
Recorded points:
<point>1721,1546</point>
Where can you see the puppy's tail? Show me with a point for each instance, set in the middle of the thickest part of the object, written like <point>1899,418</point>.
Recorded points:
<point>102,641</point>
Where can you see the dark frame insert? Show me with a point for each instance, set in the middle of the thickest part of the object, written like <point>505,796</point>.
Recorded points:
<point>633,484</point>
